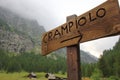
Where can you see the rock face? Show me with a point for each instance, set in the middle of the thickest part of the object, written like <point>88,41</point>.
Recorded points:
<point>14,42</point>
<point>18,34</point>
<point>86,57</point>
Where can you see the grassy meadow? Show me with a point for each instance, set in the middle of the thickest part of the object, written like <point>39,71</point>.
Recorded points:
<point>22,76</point>
<point>40,76</point>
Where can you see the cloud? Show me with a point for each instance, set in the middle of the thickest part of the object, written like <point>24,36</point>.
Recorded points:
<point>96,47</point>
<point>33,9</point>
<point>49,13</point>
<point>52,13</point>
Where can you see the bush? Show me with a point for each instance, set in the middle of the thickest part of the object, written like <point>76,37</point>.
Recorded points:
<point>96,75</point>
<point>14,66</point>
<point>113,78</point>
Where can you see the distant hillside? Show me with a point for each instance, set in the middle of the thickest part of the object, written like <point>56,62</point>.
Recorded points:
<point>18,34</point>
<point>109,63</point>
<point>85,56</point>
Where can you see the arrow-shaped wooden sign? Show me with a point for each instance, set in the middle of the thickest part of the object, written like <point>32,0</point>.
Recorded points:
<point>99,22</point>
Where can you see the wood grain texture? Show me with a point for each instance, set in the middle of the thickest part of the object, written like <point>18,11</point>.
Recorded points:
<point>102,21</point>
<point>73,60</point>
<point>102,27</point>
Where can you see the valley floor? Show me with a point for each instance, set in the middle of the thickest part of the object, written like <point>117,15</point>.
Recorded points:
<point>22,76</point>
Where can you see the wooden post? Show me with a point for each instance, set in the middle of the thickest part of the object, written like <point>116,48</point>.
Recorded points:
<point>73,59</point>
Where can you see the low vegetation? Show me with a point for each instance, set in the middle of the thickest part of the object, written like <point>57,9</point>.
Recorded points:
<point>12,65</point>
<point>23,76</point>
<point>10,62</point>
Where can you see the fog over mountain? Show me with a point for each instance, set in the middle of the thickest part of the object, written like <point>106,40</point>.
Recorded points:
<point>19,35</point>
<point>52,13</point>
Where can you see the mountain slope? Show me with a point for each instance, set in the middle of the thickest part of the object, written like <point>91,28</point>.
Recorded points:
<point>86,57</point>
<point>18,34</point>
<point>109,63</point>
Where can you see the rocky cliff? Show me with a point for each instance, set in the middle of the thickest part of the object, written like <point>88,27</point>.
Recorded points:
<point>85,57</point>
<point>18,34</point>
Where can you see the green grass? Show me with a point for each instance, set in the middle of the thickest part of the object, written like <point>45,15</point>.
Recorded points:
<point>22,76</point>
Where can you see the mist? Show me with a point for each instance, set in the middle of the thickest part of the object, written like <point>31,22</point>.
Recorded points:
<point>52,13</point>
<point>49,13</point>
<point>32,9</point>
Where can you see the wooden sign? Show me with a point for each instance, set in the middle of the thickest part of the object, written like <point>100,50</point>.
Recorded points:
<point>99,22</point>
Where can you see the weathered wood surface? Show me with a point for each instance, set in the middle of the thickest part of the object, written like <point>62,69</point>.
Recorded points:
<point>73,60</point>
<point>102,21</point>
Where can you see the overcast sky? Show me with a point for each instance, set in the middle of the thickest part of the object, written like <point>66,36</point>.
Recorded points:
<point>52,13</point>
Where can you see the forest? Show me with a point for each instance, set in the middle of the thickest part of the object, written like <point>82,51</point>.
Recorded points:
<point>108,65</point>
<point>30,62</point>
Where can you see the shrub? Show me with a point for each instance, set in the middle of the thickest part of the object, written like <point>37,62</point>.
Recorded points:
<point>113,78</point>
<point>96,75</point>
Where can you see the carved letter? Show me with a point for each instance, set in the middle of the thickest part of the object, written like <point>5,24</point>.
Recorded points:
<point>82,21</point>
<point>64,29</point>
<point>70,26</point>
<point>50,34</point>
<point>45,38</point>
<point>57,33</point>
<point>101,12</point>
<point>90,17</point>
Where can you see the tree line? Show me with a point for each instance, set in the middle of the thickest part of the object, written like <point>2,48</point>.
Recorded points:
<point>31,62</point>
<point>109,63</point>
<point>107,66</point>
